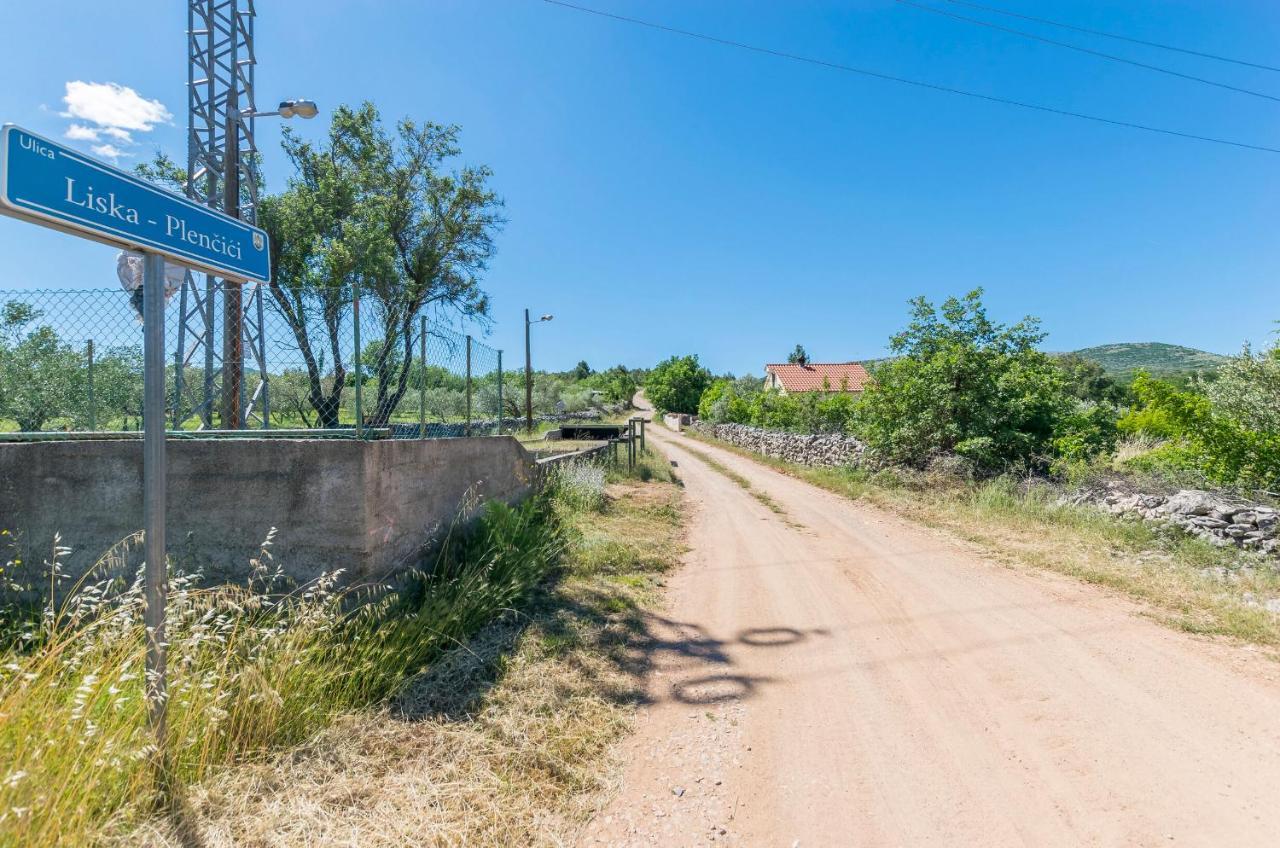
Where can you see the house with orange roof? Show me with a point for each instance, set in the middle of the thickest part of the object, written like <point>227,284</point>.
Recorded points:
<point>797,378</point>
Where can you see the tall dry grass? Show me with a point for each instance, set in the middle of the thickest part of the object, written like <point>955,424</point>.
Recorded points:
<point>251,667</point>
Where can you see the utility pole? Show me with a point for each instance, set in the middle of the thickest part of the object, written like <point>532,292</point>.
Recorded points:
<point>232,291</point>
<point>528,377</point>
<point>528,371</point>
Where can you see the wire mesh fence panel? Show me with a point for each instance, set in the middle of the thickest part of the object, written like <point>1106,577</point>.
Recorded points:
<point>313,360</point>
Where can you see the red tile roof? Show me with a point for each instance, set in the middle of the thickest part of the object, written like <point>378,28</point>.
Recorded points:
<point>821,376</point>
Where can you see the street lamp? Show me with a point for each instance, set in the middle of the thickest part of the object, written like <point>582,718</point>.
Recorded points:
<point>528,371</point>
<point>233,301</point>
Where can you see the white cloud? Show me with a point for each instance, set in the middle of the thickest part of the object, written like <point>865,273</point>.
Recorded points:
<point>103,111</point>
<point>79,132</point>
<point>110,105</point>
<point>118,134</point>
<point>109,151</point>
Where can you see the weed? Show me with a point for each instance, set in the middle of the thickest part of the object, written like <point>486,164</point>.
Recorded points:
<point>249,669</point>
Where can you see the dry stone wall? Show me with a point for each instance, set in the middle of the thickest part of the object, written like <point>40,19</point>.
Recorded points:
<point>1213,516</point>
<point>824,449</point>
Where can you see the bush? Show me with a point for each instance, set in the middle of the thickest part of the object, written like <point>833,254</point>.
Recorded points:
<point>1208,440</point>
<point>963,384</point>
<point>1086,433</point>
<point>677,384</point>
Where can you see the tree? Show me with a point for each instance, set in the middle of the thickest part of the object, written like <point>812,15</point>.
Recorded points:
<point>1223,448</point>
<point>40,379</point>
<point>1246,389</point>
<point>581,371</point>
<point>619,384</point>
<point>799,356</point>
<point>962,383</point>
<point>1087,380</point>
<point>375,209</point>
<point>677,384</point>
<point>117,387</point>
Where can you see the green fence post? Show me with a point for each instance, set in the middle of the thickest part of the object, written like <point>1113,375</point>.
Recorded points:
<point>93,411</point>
<point>422,383</point>
<point>499,393</point>
<point>355,309</point>
<point>468,430</point>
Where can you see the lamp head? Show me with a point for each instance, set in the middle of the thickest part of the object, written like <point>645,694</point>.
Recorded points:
<point>298,108</point>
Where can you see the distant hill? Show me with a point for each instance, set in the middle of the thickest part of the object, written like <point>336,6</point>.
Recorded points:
<point>1155,358</point>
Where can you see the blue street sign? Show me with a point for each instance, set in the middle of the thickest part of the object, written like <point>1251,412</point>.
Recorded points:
<point>45,183</point>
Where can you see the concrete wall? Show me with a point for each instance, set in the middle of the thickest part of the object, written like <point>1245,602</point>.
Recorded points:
<point>368,507</point>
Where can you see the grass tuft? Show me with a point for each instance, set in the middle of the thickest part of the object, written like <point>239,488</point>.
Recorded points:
<point>250,669</point>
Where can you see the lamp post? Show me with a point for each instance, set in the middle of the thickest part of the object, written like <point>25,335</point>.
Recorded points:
<point>233,301</point>
<point>528,371</point>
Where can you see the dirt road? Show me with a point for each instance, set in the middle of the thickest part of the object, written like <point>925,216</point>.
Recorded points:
<point>835,676</point>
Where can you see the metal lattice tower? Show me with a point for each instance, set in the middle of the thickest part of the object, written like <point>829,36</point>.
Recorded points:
<point>220,103</point>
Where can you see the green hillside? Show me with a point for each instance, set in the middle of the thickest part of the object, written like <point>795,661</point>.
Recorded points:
<point>1155,358</point>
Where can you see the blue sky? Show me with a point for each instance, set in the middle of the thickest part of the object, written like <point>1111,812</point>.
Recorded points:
<point>667,195</point>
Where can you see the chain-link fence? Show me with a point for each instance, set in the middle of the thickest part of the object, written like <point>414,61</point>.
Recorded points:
<point>331,364</point>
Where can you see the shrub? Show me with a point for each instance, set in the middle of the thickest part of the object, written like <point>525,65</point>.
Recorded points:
<point>1208,440</point>
<point>677,384</point>
<point>1088,432</point>
<point>963,383</point>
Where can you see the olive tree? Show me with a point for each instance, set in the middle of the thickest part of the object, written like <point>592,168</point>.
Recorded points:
<point>377,209</point>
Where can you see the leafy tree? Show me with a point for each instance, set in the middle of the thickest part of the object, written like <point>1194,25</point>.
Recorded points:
<point>376,209</point>
<point>41,379</point>
<point>1087,432</point>
<point>676,384</point>
<point>117,387</point>
<point>723,403</point>
<point>965,384</point>
<point>581,371</point>
<point>619,384</point>
<point>1087,380</point>
<point>799,356</point>
<point>1224,449</point>
<point>1246,389</point>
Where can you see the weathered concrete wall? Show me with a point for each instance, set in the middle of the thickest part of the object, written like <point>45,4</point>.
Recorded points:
<point>368,507</point>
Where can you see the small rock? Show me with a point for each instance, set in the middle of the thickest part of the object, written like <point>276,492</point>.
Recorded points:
<point>677,791</point>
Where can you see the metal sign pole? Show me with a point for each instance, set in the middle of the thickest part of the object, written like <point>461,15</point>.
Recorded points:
<point>422,384</point>
<point>153,490</point>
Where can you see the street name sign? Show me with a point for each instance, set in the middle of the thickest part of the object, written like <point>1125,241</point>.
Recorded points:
<point>46,183</point>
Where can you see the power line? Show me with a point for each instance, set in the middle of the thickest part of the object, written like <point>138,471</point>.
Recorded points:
<point>905,81</point>
<point>1099,32</point>
<point>1024,34</point>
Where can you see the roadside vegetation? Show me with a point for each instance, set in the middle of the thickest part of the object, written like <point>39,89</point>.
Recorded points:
<point>969,426</point>
<point>1187,583</point>
<point>981,397</point>
<point>263,668</point>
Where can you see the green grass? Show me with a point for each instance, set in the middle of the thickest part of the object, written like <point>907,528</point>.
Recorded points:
<point>721,468</point>
<point>650,465</point>
<point>1184,581</point>
<point>505,740</point>
<point>250,670</point>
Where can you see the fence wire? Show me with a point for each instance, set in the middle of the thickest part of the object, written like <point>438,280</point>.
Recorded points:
<point>71,361</point>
